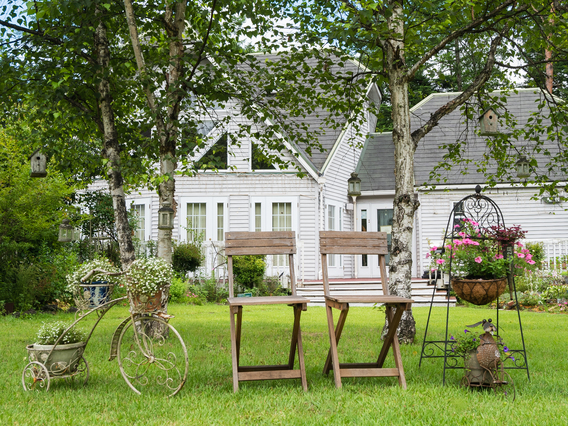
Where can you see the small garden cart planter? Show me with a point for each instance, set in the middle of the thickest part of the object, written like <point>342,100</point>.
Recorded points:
<point>151,353</point>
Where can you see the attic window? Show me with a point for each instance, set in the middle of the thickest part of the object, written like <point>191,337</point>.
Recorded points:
<point>216,157</point>
<point>259,160</point>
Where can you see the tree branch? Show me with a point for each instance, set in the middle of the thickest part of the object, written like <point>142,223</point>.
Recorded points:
<point>481,79</point>
<point>458,33</point>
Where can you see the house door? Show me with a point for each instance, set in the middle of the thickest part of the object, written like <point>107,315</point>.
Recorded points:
<point>373,219</point>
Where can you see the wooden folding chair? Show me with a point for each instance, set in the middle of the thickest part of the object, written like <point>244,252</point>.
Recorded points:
<point>266,243</point>
<point>369,243</point>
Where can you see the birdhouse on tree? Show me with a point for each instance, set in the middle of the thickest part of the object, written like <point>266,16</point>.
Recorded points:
<point>38,162</point>
<point>488,123</point>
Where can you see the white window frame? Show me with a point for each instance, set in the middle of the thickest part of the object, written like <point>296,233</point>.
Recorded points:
<point>147,203</point>
<point>335,261</point>
<point>266,211</point>
<point>210,215</point>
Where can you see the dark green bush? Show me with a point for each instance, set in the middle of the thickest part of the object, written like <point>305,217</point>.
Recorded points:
<point>186,258</point>
<point>249,270</point>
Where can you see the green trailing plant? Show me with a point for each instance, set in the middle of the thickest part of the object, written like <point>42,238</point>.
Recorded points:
<point>48,334</point>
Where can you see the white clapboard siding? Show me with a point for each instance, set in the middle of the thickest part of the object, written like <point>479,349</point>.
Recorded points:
<point>541,221</point>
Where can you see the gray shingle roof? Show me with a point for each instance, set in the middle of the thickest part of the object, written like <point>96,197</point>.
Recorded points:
<point>375,161</point>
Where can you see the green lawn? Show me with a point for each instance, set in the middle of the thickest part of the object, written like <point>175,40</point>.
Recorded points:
<point>208,398</point>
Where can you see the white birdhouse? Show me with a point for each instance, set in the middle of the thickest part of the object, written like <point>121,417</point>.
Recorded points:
<point>488,123</point>
<point>38,162</point>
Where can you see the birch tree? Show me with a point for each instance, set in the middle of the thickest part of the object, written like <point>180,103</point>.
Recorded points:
<point>397,39</point>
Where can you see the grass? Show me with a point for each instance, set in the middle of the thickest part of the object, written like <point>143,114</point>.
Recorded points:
<point>208,398</point>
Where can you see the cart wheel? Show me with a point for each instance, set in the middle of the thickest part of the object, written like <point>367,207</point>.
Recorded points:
<point>150,361</point>
<point>82,373</point>
<point>35,377</point>
<point>504,386</point>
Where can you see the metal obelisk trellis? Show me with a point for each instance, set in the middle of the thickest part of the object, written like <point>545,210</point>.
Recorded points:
<point>486,213</point>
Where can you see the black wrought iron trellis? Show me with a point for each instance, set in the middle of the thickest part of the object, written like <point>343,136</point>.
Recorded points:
<point>486,213</point>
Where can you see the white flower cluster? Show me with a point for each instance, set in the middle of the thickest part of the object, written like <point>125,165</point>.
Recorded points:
<point>50,332</point>
<point>74,279</point>
<point>147,276</point>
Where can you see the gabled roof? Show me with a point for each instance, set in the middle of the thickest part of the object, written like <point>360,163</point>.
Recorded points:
<point>376,162</point>
<point>316,120</point>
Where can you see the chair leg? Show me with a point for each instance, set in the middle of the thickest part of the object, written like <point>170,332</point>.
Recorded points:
<point>391,339</point>
<point>294,340</point>
<point>338,331</point>
<point>333,338</point>
<point>235,344</point>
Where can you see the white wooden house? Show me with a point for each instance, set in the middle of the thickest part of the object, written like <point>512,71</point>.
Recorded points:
<point>245,197</point>
<point>543,219</point>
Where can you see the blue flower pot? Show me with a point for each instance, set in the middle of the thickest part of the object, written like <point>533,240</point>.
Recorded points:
<point>97,293</point>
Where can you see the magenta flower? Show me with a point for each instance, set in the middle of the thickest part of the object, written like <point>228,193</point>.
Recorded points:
<point>440,261</point>
<point>531,262</point>
<point>457,242</point>
<point>498,256</point>
<point>478,259</point>
<point>434,248</point>
<point>474,223</point>
<point>461,234</point>
<point>519,244</point>
<point>520,255</point>
<point>456,226</point>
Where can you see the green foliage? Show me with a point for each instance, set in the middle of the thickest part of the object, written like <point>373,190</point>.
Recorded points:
<point>249,270</point>
<point>538,255</point>
<point>555,292</point>
<point>186,258</point>
<point>213,290</point>
<point>178,289</point>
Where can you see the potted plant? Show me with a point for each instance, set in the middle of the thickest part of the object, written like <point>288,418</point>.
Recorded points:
<point>147,283</point>
<point>478,266</point>
<point>92,283</point>
<point>58,347</point>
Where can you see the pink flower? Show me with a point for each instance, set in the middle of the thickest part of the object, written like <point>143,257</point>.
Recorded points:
<point>498,256</point>
<point>434,248</point>
<point>475,243</point>
<point>520,255</point>
<point>519,244</point>
<point>461,234</point>
<point>478,259</point>
<point>440,261</point>
<point>449,246</point>
<point>531,262</point>
<point>456,226</point>
<point>474,223</point>
<point>526,251</point>
<point>427,255</point>
<point>457,242</point>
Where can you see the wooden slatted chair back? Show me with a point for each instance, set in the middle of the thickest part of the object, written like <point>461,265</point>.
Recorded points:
<point>355,243</point>
<point>260,243</point>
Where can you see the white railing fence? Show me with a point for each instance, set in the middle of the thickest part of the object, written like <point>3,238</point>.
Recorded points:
<point>555,253</point>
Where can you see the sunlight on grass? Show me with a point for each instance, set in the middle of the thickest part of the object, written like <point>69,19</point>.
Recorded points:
<point>207,397</point>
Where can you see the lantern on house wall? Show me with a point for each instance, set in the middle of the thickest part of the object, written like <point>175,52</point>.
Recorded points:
<point>166,217</point>
<point>488,123</point>
<point>354,185</point>
<point>65,232</point>
<point>523,170</point>
<point>38,162</point>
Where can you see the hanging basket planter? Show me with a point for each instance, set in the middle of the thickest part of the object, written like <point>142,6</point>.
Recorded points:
<point>95,294</point>
<point>479,292</point>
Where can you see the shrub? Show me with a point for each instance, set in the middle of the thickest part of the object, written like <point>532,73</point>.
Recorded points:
<point>213,290</point>
<point>249,270</point>
<point>186,258</point>
<point>178,289</point>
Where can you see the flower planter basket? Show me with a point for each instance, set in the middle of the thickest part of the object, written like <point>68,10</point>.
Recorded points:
<point>63,359</point>
<point>475,374</point>
<point>95,294</point>
<point>479,292</point>
<point>142,304</point>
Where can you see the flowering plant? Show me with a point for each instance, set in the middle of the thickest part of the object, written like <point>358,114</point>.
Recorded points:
<point>477,253</point>
<point>470,341</point>
<point>50,332</point>
<point>147,276</point>
<point>100,266</point>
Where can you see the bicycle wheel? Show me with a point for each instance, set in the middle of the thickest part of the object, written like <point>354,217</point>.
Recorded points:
<point>149,361</point>
<point>35,377</point>
<point>82,373</point>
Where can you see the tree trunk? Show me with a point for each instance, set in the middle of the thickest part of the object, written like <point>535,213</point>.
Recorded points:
<point>404,203</point>
<point>111,150</point>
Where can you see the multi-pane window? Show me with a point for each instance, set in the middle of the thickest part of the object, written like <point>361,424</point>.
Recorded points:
<point>384,224</point>
<point>196,221</point>
<point>220,222</point>
<point>364,259</point>
<point>257,217</point>
<point>139,211</point>
<point>281,221</point>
